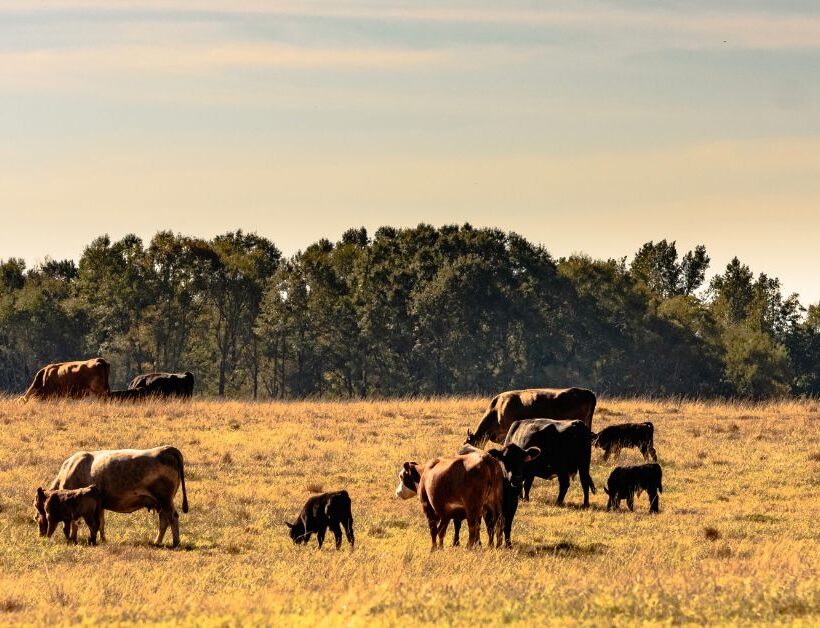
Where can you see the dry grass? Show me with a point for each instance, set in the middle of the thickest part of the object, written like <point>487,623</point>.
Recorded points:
<point>736,542</point>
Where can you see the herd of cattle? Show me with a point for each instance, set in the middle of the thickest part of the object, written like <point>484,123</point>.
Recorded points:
<point>543,433</point>
<point>90,378</point>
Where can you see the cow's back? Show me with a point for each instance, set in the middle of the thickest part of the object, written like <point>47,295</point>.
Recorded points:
<point>75,472</point>
<point>563,444</point>
<point>546,403</point>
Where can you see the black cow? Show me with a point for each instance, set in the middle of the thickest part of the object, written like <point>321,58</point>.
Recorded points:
<point>616,437</point>
<point>320,512</point>
<point>625,482</point>
<point>132,394</point>
<point>566,449</point>
<point>512,459</point>
<point>164,384</point>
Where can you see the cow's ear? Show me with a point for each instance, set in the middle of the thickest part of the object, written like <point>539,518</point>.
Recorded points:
<point>408,465</point>
<point>532,454</point>
<point>470,433</point>
<point>41,494</point>
<point>288,524</point>
<point>496,453</point>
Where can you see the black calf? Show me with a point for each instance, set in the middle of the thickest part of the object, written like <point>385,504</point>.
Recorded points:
<point>616,437</point>
<point>320,512</point>
<point>625,482</point>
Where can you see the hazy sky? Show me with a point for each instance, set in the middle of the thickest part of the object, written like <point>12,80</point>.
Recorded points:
<point>586,126</point>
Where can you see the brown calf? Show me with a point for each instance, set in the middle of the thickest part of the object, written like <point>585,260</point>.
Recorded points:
<point>67,507</point>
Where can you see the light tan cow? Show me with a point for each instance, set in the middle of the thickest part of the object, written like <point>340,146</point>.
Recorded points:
<point>71,379</point>
<point>506,408</point>
<point>128,480</point>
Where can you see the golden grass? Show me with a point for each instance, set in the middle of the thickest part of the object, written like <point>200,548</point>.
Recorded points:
<point>737,540</point>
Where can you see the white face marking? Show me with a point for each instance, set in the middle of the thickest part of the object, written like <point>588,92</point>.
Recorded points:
<point>402,492</point>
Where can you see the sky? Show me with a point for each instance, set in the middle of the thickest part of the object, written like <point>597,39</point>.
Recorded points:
<point>585,126</point>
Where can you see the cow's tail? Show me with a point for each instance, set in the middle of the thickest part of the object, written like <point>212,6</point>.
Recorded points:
<point>37,384</point>
<point>178,455</point>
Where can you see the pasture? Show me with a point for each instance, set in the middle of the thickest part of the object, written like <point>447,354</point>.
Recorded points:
<point>736,541</point>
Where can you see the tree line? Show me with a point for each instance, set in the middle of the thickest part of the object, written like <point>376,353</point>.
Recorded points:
<point>418,311</point>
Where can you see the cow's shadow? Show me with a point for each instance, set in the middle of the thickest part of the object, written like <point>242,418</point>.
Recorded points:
<point>562,548</point>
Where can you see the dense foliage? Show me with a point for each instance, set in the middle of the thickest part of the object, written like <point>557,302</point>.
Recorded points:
<point>420,311</point>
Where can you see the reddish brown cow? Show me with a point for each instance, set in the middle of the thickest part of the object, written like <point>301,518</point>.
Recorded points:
<point>534,403</point>
<point>468,486</point>
<point>71,379</point>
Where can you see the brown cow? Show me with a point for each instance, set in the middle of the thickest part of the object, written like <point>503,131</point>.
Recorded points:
<point>130,479</point>
<point>468,486</point>
<point>71,379</point>
<point>533,403</point>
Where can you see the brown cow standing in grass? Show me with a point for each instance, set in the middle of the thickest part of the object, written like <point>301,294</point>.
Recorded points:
<point>467,487</point>
<point>534,403</point>
<point>70,379</point>
<point>128,480</point>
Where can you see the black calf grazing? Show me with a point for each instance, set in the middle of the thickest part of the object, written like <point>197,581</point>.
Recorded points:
<point>320,512</point>
<point>625,482</point>
<point>616,437</point>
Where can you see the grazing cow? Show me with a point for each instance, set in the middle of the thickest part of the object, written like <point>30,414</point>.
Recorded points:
<point>625,482</point>
<point>128,480</point>
<point>616,437</point>
<point>566,449</point>
<point>165,384</point>
<point>535,403</point>
<point>320,512</point>
<point>512,459</point>
<point>128,395</point>
<point>70,379</point>
<point>67,507</point>
<point>467,487</point>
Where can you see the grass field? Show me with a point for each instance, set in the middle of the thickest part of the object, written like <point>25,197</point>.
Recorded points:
<point>737,539</point>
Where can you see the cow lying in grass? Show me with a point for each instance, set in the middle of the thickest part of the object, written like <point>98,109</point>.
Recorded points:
<point>626,482</point>
<point>68,507</point>
<point>320,512</point>
<point>616,437</point>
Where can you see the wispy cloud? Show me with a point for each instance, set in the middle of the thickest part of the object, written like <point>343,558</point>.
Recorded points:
<point>191,59</point>
<point>738,28</point>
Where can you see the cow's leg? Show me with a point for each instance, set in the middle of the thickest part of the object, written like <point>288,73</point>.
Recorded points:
<point>653,453</point>
<point>67,530</point>
<point>163,525</point>
<point>653,500</point>
<point>320,535</point>
<point>606,453</point>
<point>433,525</point>
<point>490,523</point>
<point>527,486</point>
<point>630,501</point>
<point>610,502</point>
<point>563,487</point>
<point>337,533</point>
<point>442,530</point>
<point>102,525</point>
<point>349,532</point>
<point>456,532</point>
<point>74,526</point>
<point>474,525</point>
<point>174,520</point>
<point>93,526</point>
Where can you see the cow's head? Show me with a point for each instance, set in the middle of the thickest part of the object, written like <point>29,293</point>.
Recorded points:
<point>475,440</point>
<point>409,478</point>
<point>297,532</point>
<point>513,458</point>
<point>40,511</point>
